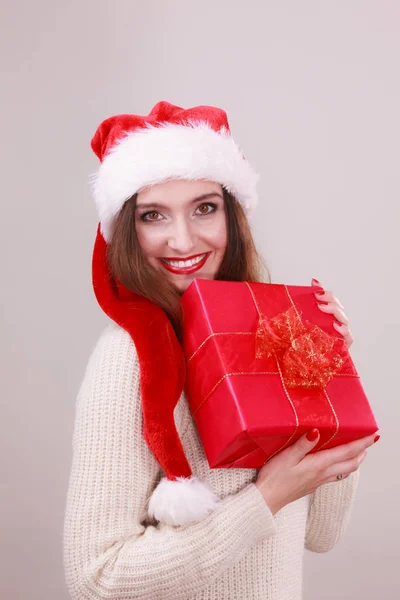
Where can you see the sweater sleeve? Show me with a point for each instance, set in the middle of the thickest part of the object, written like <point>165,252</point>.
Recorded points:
<point>329,513</point>
<point>111,549</point>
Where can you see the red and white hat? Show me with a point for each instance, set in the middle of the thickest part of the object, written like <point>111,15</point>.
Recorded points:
<point>170,143</point>
<point>135,152</point>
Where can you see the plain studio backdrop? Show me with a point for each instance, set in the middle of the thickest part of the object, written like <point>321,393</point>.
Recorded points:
<point>312,91</point>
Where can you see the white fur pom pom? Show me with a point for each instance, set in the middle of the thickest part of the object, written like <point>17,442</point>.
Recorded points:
<point>183,501</point>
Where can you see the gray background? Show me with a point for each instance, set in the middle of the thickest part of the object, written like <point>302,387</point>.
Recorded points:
<point>312,91</point>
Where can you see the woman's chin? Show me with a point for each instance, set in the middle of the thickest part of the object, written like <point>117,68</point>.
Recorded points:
<point>182,282</point>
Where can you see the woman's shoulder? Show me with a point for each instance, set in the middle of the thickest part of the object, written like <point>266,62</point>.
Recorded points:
<point>110,382</point>
<point>113,334</point>
<point>113,360</point>
<point>114,347</point>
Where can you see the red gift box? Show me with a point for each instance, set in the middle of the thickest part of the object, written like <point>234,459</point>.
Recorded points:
<point>265,365</point>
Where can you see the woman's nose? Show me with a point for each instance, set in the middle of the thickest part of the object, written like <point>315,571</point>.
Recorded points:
<point>181,238</point>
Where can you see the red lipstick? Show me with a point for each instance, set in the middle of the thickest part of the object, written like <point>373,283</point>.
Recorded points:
<point>185,270</point>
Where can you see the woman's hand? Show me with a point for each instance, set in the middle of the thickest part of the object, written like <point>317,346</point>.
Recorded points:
<point>334,307</point>
<point>294,473</point>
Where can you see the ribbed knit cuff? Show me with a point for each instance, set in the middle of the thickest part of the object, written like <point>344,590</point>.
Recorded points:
<point>330,513</point>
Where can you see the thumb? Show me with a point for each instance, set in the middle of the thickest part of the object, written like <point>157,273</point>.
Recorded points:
<point>306,443</point>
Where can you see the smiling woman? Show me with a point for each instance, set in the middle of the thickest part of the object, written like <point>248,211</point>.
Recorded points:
<point>146,517</point>
<point>150,255</point>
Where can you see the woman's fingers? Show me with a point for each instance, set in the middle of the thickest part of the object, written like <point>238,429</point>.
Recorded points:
<point>345,332</point>
<point>334,309</point>
<point>345,468</point>
<point>326,295</point>
<point>329,297</point>
<point>342,453</point>
<point>335,479</point>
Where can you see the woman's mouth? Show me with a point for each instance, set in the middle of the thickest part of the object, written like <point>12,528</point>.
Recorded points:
<point>185,266</point>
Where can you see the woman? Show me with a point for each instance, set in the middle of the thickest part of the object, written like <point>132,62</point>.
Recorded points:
<point>173,193</point>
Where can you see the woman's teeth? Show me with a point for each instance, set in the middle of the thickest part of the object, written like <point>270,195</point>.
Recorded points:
<point>184,263</point>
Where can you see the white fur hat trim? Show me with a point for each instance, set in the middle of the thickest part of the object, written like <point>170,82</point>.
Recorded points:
<point>151,155</point>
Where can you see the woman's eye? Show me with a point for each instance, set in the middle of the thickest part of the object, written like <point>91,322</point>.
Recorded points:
<point>206,206</point>
<point>205,209</point>
<point>150,214</point>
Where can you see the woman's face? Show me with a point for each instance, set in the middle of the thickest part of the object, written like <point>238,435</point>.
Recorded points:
<point>183,222</point>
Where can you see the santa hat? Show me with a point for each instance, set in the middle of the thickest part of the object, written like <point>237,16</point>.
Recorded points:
<point>136,152</point>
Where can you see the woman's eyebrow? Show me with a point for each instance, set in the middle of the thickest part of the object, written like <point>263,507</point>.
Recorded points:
<point>197,199</point>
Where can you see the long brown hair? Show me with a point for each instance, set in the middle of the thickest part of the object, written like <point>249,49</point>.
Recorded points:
<point>241,261</point>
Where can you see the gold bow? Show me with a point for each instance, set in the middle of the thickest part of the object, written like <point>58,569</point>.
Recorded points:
<point>308,356</point>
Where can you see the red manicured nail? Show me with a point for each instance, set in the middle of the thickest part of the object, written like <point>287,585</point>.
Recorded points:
<point>316,282</point>
<point>376,438</point>
<point>312,435</point>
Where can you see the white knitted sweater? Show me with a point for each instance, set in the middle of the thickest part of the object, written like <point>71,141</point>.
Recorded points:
<point>111,551</point>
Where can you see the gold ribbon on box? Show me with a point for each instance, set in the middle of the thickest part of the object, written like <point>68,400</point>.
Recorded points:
<point>309,357</point>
